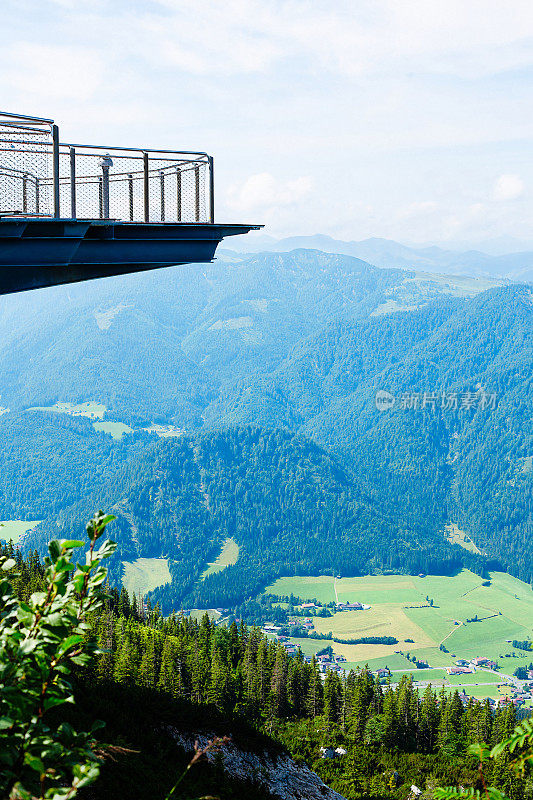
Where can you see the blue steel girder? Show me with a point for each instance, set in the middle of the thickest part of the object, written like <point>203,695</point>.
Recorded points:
<point>39,252</point>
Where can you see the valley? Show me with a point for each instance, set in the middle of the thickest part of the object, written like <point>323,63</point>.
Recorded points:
<point>266,493</point>
<point>226,415</point>
<point>436,620</point>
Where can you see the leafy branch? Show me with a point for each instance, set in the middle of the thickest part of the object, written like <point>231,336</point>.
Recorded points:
<point>521,739</point>
<point>41,642</point>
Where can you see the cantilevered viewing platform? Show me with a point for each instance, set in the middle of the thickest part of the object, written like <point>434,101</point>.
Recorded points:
<point>72,212</point>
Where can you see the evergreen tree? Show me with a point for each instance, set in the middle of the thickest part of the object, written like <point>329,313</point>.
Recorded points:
<point>332,697</point>
<point>315,691</point>
<point>429,721</point>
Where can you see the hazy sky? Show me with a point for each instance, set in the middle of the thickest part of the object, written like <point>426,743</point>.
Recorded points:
<point>409,119</point>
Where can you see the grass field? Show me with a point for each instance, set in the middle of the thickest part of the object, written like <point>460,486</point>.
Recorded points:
<point>456,536</point>
<point>90,409</point>
<point>480,692</point>
<point>116,429</point>
<point>145,574</point>
<point>310,647</point>
<point>320,588</point>
<point>435,676</point>
<point>392,661</point>
<point>504,610</point>
<point>12,529</point>
<point>476,677</point>
<point>228,556</point>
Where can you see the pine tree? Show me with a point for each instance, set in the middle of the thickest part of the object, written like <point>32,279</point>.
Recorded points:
<point>429,721</point>
<point>235,645</point>
<point>407,712</point>
<point>218,690</point>
<point>315,703</point>
<point>199,668</point>
<point>360,690</point>
<point>170,673</point>
<point>148,672</point>
<point>449,734</point>
<point>106,645</point>
<point>332,697</point>
<point>125,669</point>
<point>278,684</point>
<point>390,718</point>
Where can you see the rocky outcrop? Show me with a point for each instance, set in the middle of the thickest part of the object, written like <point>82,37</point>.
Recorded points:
<point>275,772</point>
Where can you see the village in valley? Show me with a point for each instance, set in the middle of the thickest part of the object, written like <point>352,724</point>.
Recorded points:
<point>343,634</point>
<point>460,632</point>
<point>513,690</point>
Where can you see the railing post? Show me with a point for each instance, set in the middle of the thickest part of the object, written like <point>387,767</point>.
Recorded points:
<point>146,183</point>
<point>105,163</point>
<point>130,194</point>
<point>197,194</point>
<point>100,197</point>
<point>178,193</point>
<point>55,169</point>
<point>162,179</point>
<point>72,153</point>
<point>211,190</point>
<point>24,193</point>
<point>37,198</point>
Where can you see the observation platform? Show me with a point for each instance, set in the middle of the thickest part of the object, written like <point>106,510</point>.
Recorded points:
<point>71,212</point>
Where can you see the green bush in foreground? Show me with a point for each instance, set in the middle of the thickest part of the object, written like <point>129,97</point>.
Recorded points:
<point>41,642</point>
<point>520,743</point>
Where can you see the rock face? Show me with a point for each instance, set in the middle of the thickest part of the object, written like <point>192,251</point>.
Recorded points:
<point>277,773</point>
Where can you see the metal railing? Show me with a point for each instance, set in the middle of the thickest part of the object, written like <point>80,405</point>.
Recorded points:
<point>41,176</point>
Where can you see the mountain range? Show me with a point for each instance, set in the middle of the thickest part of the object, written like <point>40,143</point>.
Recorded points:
<point>324,413</point>
<point>515,265</point>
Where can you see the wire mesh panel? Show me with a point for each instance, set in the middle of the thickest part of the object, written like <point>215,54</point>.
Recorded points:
<point>38,175</point>
<point>133,185</point>
<point>25,165</point>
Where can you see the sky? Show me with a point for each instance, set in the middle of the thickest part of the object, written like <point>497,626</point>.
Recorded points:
<point>403,119</point>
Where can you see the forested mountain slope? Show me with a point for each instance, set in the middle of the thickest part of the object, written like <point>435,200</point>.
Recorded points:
<point>291,508</point>
<point>462,454</point>
<point>269,366</point>
<point>164,344</point>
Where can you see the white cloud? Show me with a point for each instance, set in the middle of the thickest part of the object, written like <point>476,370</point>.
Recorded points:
<point>402,112</point>
<point>508,187</point>
<point>262,193</point>
<point>373,37</point>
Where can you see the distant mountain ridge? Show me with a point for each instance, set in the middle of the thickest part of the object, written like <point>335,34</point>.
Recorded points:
<point>161,346</point>
<point>516,266</point>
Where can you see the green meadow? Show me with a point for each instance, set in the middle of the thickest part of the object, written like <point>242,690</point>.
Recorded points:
<point>198,613</point>
<point>226,558</point>
<point>467,618</point>
<point>480,676</point>
<point>116,429</point>
<point>13,529</point>
<point>144,574</point>
<point>90,409</point>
